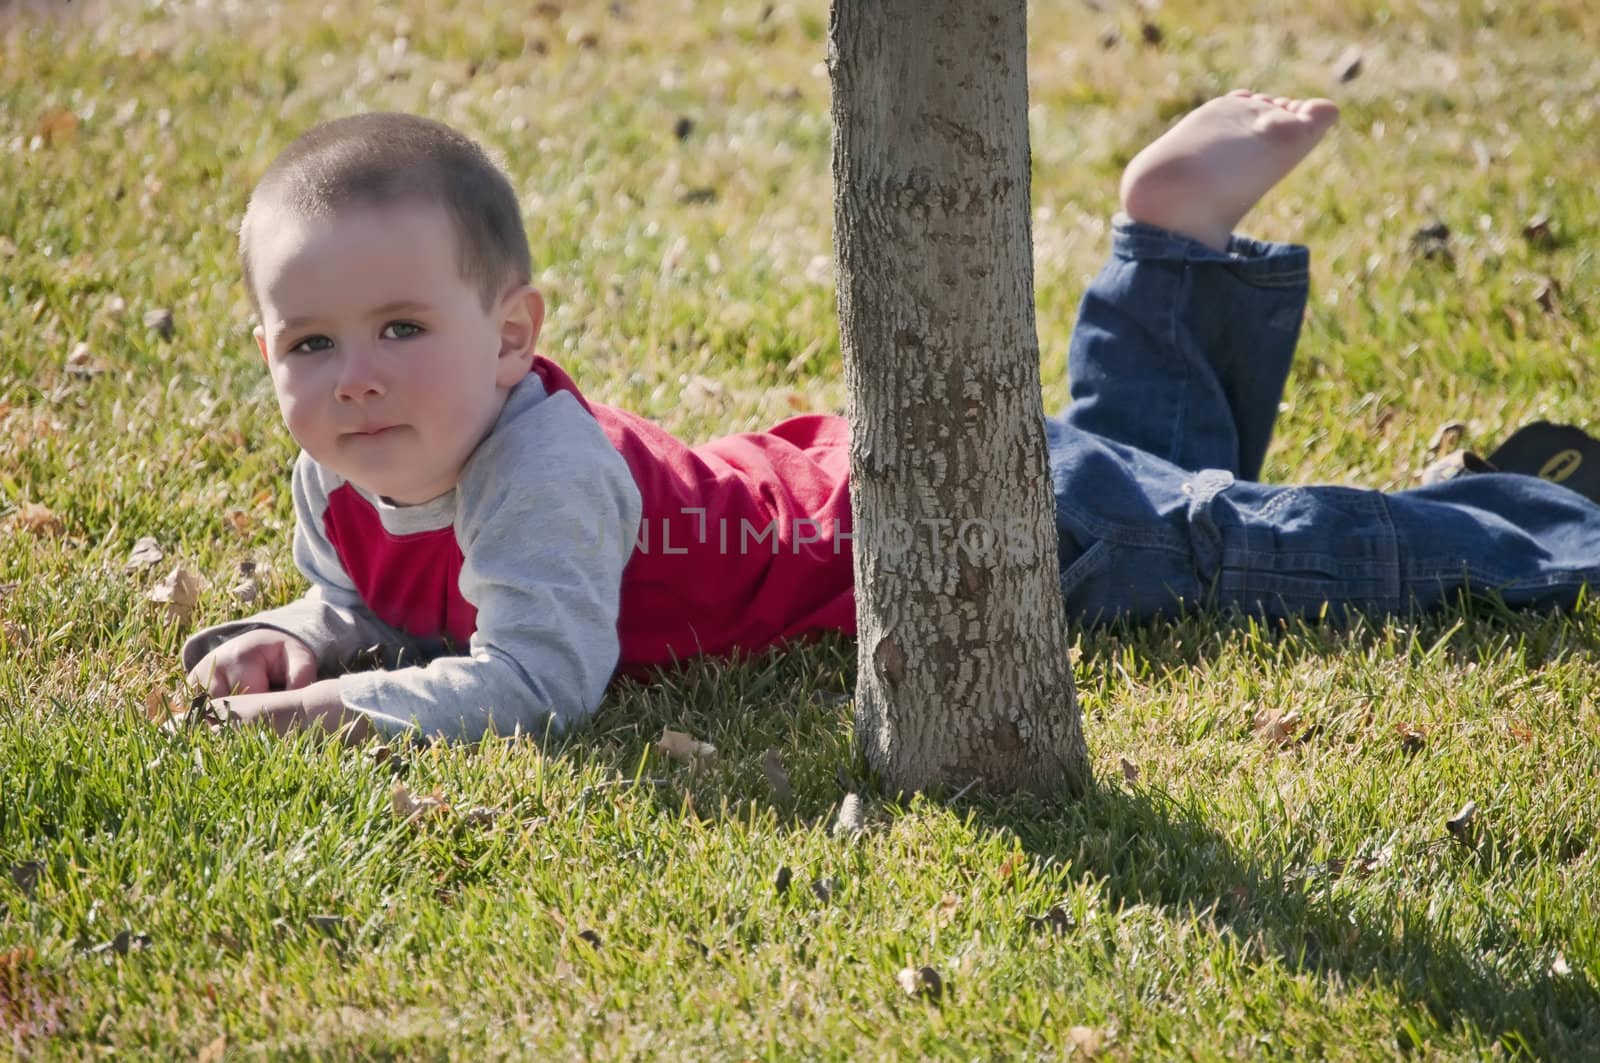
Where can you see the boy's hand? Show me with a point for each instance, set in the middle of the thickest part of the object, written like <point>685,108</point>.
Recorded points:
<point>317,705</point>
<point>255,663</point>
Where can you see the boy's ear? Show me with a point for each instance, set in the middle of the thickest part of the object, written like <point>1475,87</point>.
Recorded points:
<point>521,318</point>
<point>261,340</point>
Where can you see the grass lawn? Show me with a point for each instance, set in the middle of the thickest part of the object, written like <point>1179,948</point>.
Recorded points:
<point>1264,866</point>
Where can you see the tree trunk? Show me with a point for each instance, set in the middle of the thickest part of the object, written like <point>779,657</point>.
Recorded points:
<point>964,674</point>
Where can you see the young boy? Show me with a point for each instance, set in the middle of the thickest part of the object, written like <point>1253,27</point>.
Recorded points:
<point>507,545</point>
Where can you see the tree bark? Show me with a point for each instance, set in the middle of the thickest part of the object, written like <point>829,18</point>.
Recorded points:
<point>964,674</point>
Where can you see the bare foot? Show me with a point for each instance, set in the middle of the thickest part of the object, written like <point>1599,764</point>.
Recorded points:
<point>1201,176</point>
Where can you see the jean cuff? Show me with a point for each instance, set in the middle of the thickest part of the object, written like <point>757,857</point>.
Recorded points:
<point>1259,262</point>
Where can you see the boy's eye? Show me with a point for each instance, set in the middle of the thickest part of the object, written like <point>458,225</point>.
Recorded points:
<point>400,330</point>
<point>310,344</point>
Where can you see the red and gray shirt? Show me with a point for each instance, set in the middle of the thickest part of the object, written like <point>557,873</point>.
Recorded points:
<point>580,539</point>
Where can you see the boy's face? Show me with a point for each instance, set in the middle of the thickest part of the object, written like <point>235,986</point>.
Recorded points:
<point>388,369</point>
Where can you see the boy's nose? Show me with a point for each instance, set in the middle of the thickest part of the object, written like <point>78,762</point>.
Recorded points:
<point>359,377</point>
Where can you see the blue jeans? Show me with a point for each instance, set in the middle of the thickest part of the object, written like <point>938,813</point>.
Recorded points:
<point>1177,365</point>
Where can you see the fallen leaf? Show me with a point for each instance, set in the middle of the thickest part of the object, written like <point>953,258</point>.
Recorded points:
<point>146,552</point>
<point>37,520</point>
<point>160,322</point>
<point>777,777</point>
<point>851,817</point>
<point>921,981</point>
<point>946,909</point>
<point>25,876</point>
<point>780,881</point>
<point>591,936</point>
<point>1447,437</point>
<point>1348,66</point>
<point>1412,737</point>
<point>1277,727</point>
<point>7,248</point>
<point>179,592</point>
<point>1460,824</point>
<point>1010,865</point>
<point>825,888</point>
<point>1151,34</point>
<point>1433,241</point>
<point>683,127</point>
<point>1057,920</point>
<point>685,748</point>
<point>157,705</point>
<point>125,942</point>
<point>387,757</point>
<point>1130,770</point>
<point>1086,1041</point>
<point>1456,463</point>
<point>411,808</point>
<point>1538,232</point>
<point>1548,295</point>
<point>1559,967</point>
<point>214,1050</point>
<point>239,520</point>
<point>480,816</point>
<point>82,362</point>
<point>57,126</point>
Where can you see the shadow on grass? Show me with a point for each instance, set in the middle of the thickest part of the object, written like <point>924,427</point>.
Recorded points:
<point>1142,847</point>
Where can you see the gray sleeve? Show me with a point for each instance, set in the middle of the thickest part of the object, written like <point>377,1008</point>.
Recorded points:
<point>330,618</point>
<point>547,517</point>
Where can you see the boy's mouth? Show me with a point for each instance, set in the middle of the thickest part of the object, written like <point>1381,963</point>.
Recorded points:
<point>376,430</point>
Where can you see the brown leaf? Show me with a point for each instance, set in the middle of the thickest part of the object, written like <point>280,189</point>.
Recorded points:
<point>158,706</point>
<point>1460,824</point>
<point>246,590</point>
<point>1538,232</point>
<point>1010,865</point>
<point>1548,295</point>
<point>920,981</point>
<point>179,592</point>
<point>160,322</point>
<point>37,520</point>
<point>82,362</point>
<point>1057,920</point>
<point>1447,437</point>
<point>8,249</point>
<point>25,876</point>
<point>1412,737</point>
<point>239,520</point>
<point>1086,1041</point>
<point>146,552</point>
<point>57,126</point>
<point>1277,727</point>
<point>1130,770</point>
<point>411,808</point>
<point>1151,34</point>
<point>946,909</point>
<point>1348,66</point>
<point>685,748</point>
<point>480,816</point>
<point>777,777</point>
<point>214,1050</point>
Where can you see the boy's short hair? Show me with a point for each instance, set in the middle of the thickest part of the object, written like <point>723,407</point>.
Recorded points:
<point>382,158</point>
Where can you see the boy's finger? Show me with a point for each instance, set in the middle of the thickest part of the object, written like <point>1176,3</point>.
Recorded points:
<point>301,665</point>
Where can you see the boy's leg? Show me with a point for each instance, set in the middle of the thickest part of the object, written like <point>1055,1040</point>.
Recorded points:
<point>1184,340</point>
